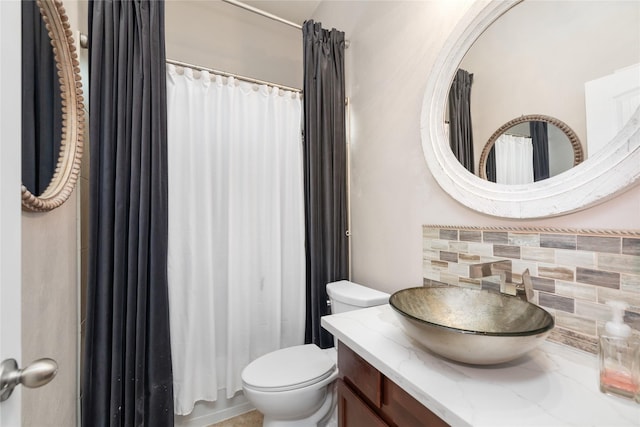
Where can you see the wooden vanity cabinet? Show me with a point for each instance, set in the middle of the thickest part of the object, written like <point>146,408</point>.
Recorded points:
<point>367,398</point>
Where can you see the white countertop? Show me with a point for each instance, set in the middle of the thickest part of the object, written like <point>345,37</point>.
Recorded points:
<point>553,385</point>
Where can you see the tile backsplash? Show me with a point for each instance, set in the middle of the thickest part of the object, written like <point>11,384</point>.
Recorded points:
<point>574,272</point>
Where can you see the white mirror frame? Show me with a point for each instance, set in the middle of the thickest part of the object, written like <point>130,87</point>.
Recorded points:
<point>600,177</point>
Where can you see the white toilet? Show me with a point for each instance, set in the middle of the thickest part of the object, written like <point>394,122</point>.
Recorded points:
<point>294,386</point>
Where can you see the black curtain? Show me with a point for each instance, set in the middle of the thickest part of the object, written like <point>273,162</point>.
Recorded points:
<point>460,132</point>
<point>41,102</point>
<point>491,165</point>
<point>325,172</point>
<point>127,377</point>
<point>540,140</point>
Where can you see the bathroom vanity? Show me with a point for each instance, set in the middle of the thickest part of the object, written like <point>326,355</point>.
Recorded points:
<point>388,379</point>
<point>368,397</point>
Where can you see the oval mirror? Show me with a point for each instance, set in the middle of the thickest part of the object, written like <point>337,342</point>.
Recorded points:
<point>603,174</point>
<point>69,125</point>
<point>529,149</point>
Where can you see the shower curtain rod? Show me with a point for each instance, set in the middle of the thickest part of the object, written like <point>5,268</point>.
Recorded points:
<point>270,16</point>
<point>235,76</point>
<point>263,13</point>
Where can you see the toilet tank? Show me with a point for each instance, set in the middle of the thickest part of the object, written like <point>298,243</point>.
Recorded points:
<point>348,296</point>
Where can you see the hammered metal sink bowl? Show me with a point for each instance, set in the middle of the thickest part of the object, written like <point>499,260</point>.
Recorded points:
<point>471,326</point>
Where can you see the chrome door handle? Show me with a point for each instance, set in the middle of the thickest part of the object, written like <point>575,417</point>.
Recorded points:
<point>37,374</point>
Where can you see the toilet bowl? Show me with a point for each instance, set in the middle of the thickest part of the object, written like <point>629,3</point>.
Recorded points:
<point>290,386</point>
<point>294,386</point>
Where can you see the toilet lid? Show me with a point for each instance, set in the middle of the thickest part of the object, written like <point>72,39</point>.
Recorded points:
<point>289,368</point>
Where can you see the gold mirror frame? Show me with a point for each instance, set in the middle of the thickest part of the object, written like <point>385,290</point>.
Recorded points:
<point>67,169</point>
<point>578,153</point>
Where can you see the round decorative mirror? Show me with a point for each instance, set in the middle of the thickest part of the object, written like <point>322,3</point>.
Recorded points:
<point>606,171</point>
<point>65,173</point>
<point>550,148</point>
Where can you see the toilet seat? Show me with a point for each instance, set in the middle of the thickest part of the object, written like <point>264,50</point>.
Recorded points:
<point>289,369</point>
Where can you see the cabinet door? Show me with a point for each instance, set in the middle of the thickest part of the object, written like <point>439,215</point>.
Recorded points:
<point>353,411</point>
<point>404,410</point>
<point>355,371</point>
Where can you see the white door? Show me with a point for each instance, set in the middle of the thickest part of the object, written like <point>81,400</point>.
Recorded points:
<point>610,102</point>
<point>10,253</point>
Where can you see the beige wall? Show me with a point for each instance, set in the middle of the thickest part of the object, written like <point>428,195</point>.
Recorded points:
<point>393,47</point>
<point>218,35</point>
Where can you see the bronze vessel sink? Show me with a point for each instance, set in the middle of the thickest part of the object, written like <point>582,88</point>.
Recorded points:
<point>471,326</point>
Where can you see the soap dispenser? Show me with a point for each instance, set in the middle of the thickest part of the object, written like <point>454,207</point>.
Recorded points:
<point>617,352</point>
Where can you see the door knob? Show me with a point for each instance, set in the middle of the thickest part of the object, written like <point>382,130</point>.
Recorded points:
<point>37,374</point>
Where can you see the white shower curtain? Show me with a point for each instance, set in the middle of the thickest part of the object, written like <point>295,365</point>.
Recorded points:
<point>514,159</point>
<point>236,264</point>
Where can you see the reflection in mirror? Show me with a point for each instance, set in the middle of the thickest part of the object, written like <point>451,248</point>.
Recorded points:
<point>41,102</point>
<point>531,78</point>
<point>459,126</point>
<point>529,149</point>
<point>51,189</point>
<point>544,57</point>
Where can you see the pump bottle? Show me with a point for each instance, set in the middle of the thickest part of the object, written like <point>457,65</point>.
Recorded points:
<point>617,353</point>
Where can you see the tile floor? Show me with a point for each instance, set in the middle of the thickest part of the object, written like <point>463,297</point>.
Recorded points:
<point>250,419</point>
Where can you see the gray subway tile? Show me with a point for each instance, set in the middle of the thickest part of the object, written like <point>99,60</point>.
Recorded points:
<point>599,244</point>
<point>459,269</point>
<point>471,236</point>
<point>495,237</point>
<point>430,273</point>
<point>558,241</point>
<point>482,249</point>
<point>458,246</point>
<point>448,256</point>
<point>598,277</point>
<point>439,265</point>
<point>439,244</point>
<point>556,302</point>
<point>592,310</point>
<point>451,279</point>
<point>449,234</point>
<point>631,298</point>
<point>524,239</point>
<point>542,284</point>
<point>577,291</point>
<point>428,254</point>
<point>631,246</point>
<point>555,272</point>
<point>470,258</point>
<point>506,251</point>
<point>620,263</point>
<point>630,282</point>
<point>430,232</point>
<point>575,258</point>
<point>547,255</point>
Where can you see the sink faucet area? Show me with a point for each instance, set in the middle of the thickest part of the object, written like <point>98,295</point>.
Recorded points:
<point>503,269</point>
